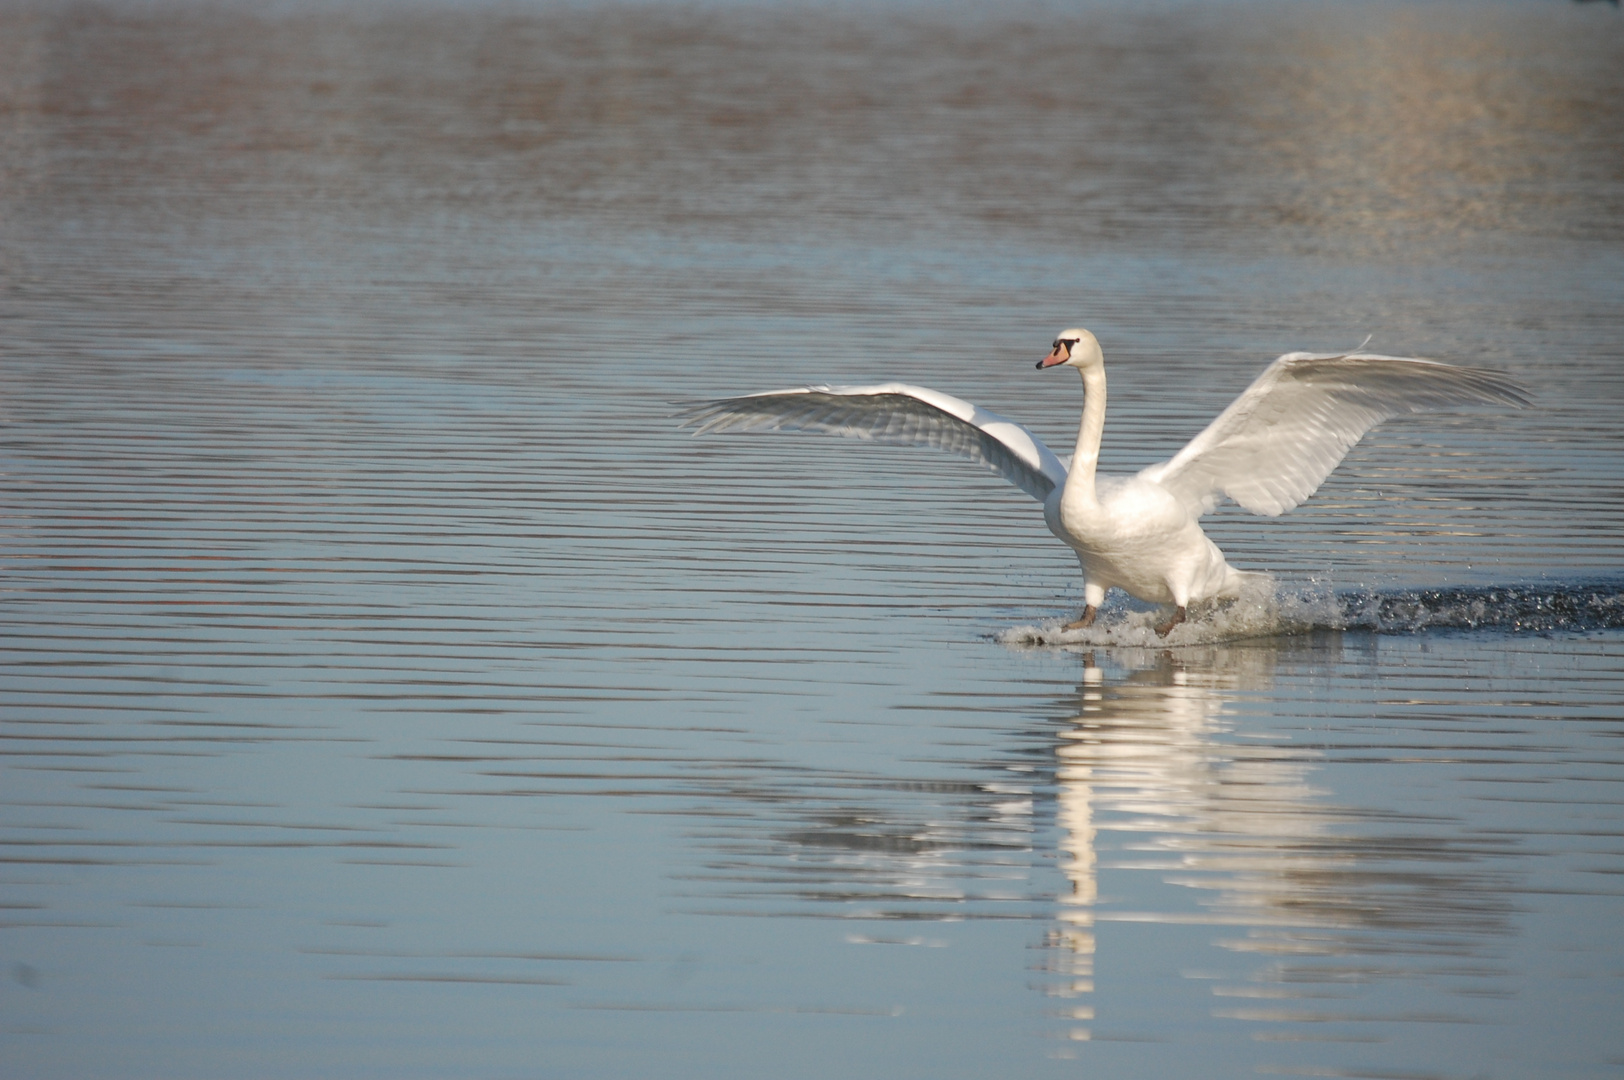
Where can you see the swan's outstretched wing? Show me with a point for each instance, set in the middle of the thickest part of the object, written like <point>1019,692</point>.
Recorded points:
<point>1278,441</point>
<point>898,414</point>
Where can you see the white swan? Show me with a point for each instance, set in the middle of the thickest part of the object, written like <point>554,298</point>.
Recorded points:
<point>1268,451</point>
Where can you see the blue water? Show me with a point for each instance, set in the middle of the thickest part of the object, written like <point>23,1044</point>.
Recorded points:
<point>389,688</point>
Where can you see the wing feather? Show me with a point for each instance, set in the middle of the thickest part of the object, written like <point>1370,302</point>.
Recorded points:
<point>896,414</point>
<point>1277,442</point>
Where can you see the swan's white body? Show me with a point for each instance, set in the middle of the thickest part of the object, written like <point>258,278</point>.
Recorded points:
<point>1270,450</point>
<point>1132,534</point>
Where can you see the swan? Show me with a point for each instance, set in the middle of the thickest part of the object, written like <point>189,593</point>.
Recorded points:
<point>1270,450</point>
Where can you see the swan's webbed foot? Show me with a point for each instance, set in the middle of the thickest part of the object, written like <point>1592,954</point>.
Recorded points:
<point>1085,622</point>
<point>1166,628</point>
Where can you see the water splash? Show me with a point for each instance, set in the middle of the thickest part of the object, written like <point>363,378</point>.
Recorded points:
<point>1270,610</point>
<point>1518,608</point>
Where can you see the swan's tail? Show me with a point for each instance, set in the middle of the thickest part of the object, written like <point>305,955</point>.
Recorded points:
<point>1239,583</point>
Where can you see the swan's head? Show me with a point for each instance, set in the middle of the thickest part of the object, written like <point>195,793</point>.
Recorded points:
<point>1077,348</point>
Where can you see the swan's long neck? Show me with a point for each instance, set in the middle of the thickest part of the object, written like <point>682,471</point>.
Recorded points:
<point>1080,477</point>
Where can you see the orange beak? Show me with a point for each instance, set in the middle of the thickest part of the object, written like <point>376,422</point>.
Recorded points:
<point>1061,353</point>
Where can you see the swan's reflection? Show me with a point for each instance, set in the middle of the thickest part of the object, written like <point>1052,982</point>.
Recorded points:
<point>1142,747</point>
<point>1172,775</point>
<point>1150,756</point>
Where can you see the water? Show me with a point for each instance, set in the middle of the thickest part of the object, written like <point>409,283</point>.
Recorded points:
<point>390,689</point>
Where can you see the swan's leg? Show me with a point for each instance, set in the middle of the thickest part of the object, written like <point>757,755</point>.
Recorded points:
<point>1166,628</point>
<point>1093,597</point>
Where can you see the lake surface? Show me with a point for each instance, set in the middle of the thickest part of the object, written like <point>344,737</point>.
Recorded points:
<point>388,688</point>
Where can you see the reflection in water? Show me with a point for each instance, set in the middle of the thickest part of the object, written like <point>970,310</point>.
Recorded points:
<point>1143,749</point>
<point>1296,900</point>
<point>1151,768</point>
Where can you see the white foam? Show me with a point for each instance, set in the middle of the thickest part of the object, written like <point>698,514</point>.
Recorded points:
<point>1263,609</point>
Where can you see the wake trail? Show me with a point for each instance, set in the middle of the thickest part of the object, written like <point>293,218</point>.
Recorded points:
<point>1266,609</point>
